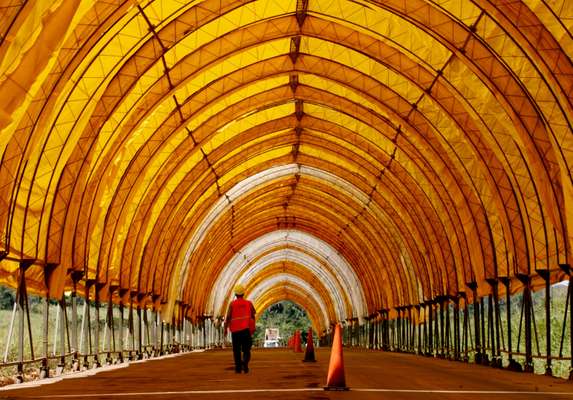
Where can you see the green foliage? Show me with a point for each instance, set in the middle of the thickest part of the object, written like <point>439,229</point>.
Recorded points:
<point>7,297</point>
<point>284,315</point>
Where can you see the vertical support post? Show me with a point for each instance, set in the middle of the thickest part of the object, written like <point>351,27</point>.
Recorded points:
<point>496,350</point>
<point>426,348</point>
<point>154,331</point>
<point>89,325</point>
<point>139,333</point>
<point>97,362</point>
<point>419,329</point>
<point>545,274</point>
<point>571,322</point>
<point>62,327</point>
<point>431,329</point>
<point>407,329</point>
<point>513,365</point>
<point>120,331</point>
<point>399,329</point>
<point>109,323</point>
<point>75,348</point>
<point>158,332</point>
<point>484,356</point>
<point>448,340</point>
<point>442,328</point>
<point>371,333</point>
<point>403,329</point>
<point>526,280</point>
<point>466,329</point>
<point>146,335</point>
<point>130,331</point>
<point>490,329</point>
<point>381,333</point>
<point>412,341</point>
<point>44,369</point>
<point>381,330</point>
<point>387,320</point>
<point>84,346</point>
<point>457,328</point>
<point>161,341</point>
<point>478,350</point>
<point>21,296</point>
<point>392,328</point>
<point>376,328</point>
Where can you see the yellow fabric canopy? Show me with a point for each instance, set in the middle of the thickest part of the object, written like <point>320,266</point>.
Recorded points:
<point>146,143</point>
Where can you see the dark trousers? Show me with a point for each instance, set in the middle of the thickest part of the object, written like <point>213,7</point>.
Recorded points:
<point>242,342</point>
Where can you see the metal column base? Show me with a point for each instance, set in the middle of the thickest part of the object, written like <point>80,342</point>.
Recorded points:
<point>514,366</point>
<point>44,373</point>
<point>496,363</point>
<point>484,359</point>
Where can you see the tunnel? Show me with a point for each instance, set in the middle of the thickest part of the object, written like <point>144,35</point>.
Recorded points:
<point>399,169</point>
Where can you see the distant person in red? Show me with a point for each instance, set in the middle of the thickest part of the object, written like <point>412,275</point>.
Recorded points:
<point>241,322</point>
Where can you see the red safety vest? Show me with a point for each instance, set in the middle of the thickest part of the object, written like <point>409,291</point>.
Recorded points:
<point>241,315</point>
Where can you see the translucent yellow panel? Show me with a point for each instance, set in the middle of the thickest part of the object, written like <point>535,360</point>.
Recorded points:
<point>205,195</point>
<point>329,156</point>
<point>340,90</point>
<point>84,82</point>
<point>241,124</point>
<point>141,188</point>
<point>259,139</point>
<point>235,97</point>
<point>226,66</point>
<point>463,10</point>
<point>28,55</point>
<point>362,63</point>
<point>385,26</point>
<point>359,152</point>
<point>329,114</point>
<point>254,161</point>
<point>557,16</point>
<point>71,122</point>
<point>126,108</point>
<point>222,68</point>
<point>113,52</point>
<point>160,11</point>
<point>536,85</point>
<point>111,180</point>
<point>248,14</point>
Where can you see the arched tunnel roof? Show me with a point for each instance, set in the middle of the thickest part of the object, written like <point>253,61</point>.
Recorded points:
<point>158,151</point>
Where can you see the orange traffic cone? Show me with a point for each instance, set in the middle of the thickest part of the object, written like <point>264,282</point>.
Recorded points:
<point>297,348</point>
<point>309,353</point>
<point>335,379</point>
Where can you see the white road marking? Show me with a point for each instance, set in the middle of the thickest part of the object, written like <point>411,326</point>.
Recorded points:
<point>239,391</point>
<point>444,391</point>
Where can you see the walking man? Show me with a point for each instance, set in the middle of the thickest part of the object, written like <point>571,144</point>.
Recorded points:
<point>241,321</point>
